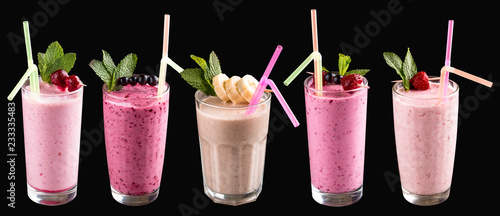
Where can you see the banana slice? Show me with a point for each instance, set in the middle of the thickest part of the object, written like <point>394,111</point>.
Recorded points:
<point>218,83</point>
<point>246,87</point>
<point>232,90</point>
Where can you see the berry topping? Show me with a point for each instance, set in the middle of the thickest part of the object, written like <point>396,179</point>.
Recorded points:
<point>123,81</point>
<point>351,81</point>
<point>58,78</point>
<point>142,79</point>
<point>73,83</point>
<point>420,81</point>
<point>328,77</point>
<point>152,80</point>
<point>132,80</point>
<point>337,79</point>
<point>331,78</point>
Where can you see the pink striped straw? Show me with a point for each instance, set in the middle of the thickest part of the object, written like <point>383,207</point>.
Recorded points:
<point>264,81</point>
<point>443,90</point>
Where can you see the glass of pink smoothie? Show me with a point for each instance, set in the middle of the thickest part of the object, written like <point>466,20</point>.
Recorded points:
<point>336,128</point>
<point>135,132</point>
<point>52,124</point>
<point>425,127</point>
<point>233,148</point>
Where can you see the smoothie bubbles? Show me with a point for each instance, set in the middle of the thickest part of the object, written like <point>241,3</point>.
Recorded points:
<point>425,124</point>
<point>52,113</point>
<point>233,120</point>
<point>336,107</point>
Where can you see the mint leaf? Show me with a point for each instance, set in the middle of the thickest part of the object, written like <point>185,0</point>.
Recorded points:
<point>196,78</point>
<point>395,62</point>
<point>361,72</point>
<point>201,78</point>
<point>108,61</point>
<point>54,59</point>
<point>406,70</point>
<point>109,73</point>
<point>409,66</point>
<point>201,62</point>
<point>65,62</point>
<point>41,61</point>
<point>100,70</point>
<point>126,66</point>
<point>53,52</point>
<point>344,61</point>
<point>214,67</point>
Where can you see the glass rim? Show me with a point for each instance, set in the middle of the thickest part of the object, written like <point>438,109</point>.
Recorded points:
<point>199,100</point>
<point>25,89</point>
<point>307,80</point>
<point>105,91</point>
<point>453,84</point>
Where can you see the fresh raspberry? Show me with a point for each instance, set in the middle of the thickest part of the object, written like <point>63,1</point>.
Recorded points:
<point>73,83</point>
<point>57,78</point>
<point>351,81</point>
<point>420,81</point>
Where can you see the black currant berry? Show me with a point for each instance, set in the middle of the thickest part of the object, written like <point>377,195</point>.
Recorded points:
<point>152,80</point>
<point>336,79</point>
<point>142,79</point>
<point>132,80</point>
<point>123,81</point>
<point>328,78</point>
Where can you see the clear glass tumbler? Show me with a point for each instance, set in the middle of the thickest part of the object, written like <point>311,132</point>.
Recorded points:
<point>425,127</point>
<point>52,124</point>
<point>233,148</point>
<point>336,131</point>
<point>135,133</point>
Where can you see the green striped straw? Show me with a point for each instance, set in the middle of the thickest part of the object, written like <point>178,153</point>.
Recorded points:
<point>31,72</point>
<point>34,86</point>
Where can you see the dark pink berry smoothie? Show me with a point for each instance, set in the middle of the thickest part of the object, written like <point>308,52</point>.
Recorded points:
<point>135,129</point>
<point>336,126</point>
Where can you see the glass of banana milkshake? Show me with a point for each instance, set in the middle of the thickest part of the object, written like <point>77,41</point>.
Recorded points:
<point>233,120</point>
<point>232,144</point>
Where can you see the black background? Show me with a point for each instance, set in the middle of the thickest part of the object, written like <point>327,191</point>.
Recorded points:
<point>244,37</point>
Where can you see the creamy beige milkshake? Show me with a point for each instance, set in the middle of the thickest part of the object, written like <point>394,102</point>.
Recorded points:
<point>233,147</point>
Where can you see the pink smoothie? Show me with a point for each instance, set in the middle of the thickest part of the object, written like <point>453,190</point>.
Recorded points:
<point>135,127</point>
<point>426,135</point>
<point>52,124</point>
<point>336,126</point>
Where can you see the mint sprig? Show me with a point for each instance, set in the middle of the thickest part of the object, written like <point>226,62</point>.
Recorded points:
<point>344,61</point>
<point>406,70</point>
<point>109,72</point>
<point>201,78</point>
<point>54,59</point>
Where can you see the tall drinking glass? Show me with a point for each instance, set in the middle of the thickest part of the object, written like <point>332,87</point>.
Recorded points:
<point>135,132</point>
<point>425,127</point>
<point>52,124</point>
<point>336,129</point>
<point>233,148</point>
